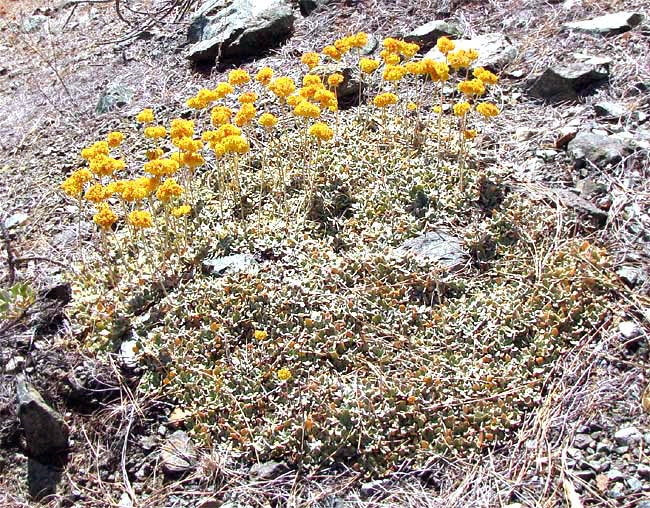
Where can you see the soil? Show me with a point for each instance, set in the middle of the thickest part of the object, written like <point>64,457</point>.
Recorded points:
<point>51,78</point>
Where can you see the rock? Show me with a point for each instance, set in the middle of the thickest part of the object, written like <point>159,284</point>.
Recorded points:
<point>45,430</point>
<point>242,29</point>
<point>128,355</point>
<point>603,448</point>
<point>428,34</point>
<point>209,502</point>
<point>609,24</point>
<point>178,454</point>
<point>590,187</point>
<point>621,450</point>
<point>33,23</point>
<point>143,472</point>
<point>643,470</point>
<point>628,436</point>
<point>42,479</point>
<point>125,501</point>
<point>568,81</point>
<point>350,86</point>
<point>610,110</point>
<point>582,441</point>
<point>374,488</point>
<point>616,493</point>
<point>634,484</point>
<point>581,205</point>
<point>596,149</point>
<point>148,443</point>
<point>267,470</point>
<point>15,219</point>
<point>228,264</point>
<point>644,504</point>
<point>495,50</point>
<point>629,330</point>
<point>524,133</point>
<point>15,364</point>
<point>615,475</point>
<point>309,6</point>
<point>114,96</point>
<point>585,474</point>
<point>436,246</point>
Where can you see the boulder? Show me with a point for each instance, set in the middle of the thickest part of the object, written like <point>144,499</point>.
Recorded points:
<point>309,6</point>
<point>610,110</point>
<point>437,246</point>
<point>242,29</point>
<point>42,479</point>
<point>46,433</point>
<point>609,24</point>
<point>568,81</point>
<point>495,50</point>
<point>114,96</point>
<point>596,149</point>
<point>428,34</point>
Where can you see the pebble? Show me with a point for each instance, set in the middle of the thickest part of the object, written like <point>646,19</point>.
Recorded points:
<point>615,494</point>
<point>634,484</point>
<point>603,447</point>
<point>621,450</point>
<point>644,471</point>
<point>582,441</point>
<point>644,504</point>
<point>628,436</point>
<point>585,475</point>
<point>629,329</point>
<point>373,488</point>
<point>615,475</point>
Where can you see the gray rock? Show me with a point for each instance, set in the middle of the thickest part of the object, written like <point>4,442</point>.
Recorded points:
<point>628,436</point>
<point>585,474</point>
<point>267,470</point>
<point>428,34</point>
<point>629,330</point>
<point>568,82</point>
<point>436,246</point>
<point>621,450</point>
<point>596,149</point>
<point>15,364</point>
<point>244,28</point>
<point>582,441</point>
<point>114,96</point>
<point>350,85</point>
<point>608,24</point>
<point>634,484</point>
<point>229,264</point>
<point>15,219</point>
<point>616,493</point>
<point>309,6</point>
<point>495,50</point>
<point>148,443</point>
<point>125,501</point>
<point>374,488</point>
<point>610,109</point>
<point>210,502</point>
<point>603,448</point>
<point>45,430</point>
<point>644,504</point>
<point>178,454</point>
<point>42,479</point>
<point>615,475</point>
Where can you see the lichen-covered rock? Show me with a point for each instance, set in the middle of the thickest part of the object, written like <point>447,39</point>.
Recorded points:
<point>242,29</point>
<point>495,50</point>
<point>596,149</point>
<point>437,246</point>
<point>565,82</point>
<point>609,24</point>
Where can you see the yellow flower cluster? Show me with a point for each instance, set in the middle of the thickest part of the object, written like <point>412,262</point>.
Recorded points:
<point>398,47</point>
<point>161,167</point>
<point>486,76</point>
<point>394,72</point>
<point>145,116</point>
<point>98,149</point>
<point>181,129</point>
<point>245,115</point>
<point>472,87</point>
<point>189,144</point>
<point>73,185</point>
<point>235,144</point>
<point>181,210</point>
<point>461,58</point>
<point>105,166</point>
<point>97,193</point>
<point>445,45</point>
<point>114,139</point>
<point>248,98</point>
<point>368,65</point>
<point>105,217</point>
<point>220,115</point>
<point>264,75</point>
<point>238,77</point>
<point>261,334</point>
<point>267,120</point>
<point>140,219</point>
<point>282,86</point>
<point>335,79</point>
<point>310,59</point>
<point>462,108</point>
<point>155,132</point>
<point>169,190</point>
<point>487,109</point>
<point>385,99</point>
<point>284,374</point>
<point>321,131</point>
<point>307,110</point>
<point>223,89</point>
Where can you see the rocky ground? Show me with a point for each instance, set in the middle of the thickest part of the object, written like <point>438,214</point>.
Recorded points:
<point>574,126</point>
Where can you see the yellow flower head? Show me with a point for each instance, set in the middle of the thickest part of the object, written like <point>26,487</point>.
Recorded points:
<point>359,40</point>
<point>307,92</point>
<point>188,144</point>
<point>169,190</point>
<point>134,190</point>
<point>72,187</point>
<point>97,193</point>
<point>181,210</point>
<point>181,128</point>
<point>267,120</point>
<point>307,110</point>
<point>222,89</point>
<point>261,334</point>
<point>332,52</point>
<point>310,59</point>
<point>409,49</point>
<point>461,108</point>
<point>238,77</point>
<point>437,110</point>
<point>486,76</point>
<point>312,80</point>
<point>105,166</point>
<point>284,374</point>
<point>248,97</point>
<point>326,98</point>
<point>162,167</point>
<point>149,185</point>
<point>412,106</point>
<point>235,144</point>
<point>459,59</point>
<point>385,99</point>
<point>321,131</point>
<point>394,72</point>
<point>445,45</point>
<point>282,86</point>
<point>218,148</point>
<point>469,134</point>
<point>105,217</point>
<point>389,58</point>
<point>368,65</point>
<point>114,139</point>
<point>415,68</point>
<point>140,219</point>
<point>343,45</point>
<point>192,159</point>
<point>335,80</point>
<point>145,116</point>
<point>472,54</point>
<point>294,100</point>
<point>245,114</point>
<point>97,149</point>
<point>487,109</point>
<point>155,132</point>
<point>206,95</point>
<point>228,130</point>
<point>264,75</point>
<point>471,87</point>
<point>196,103</point>
<point>220,115</point>
<point>392,45</point>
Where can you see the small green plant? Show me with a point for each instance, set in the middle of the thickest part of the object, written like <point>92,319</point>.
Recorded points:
<point>15,300</point>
